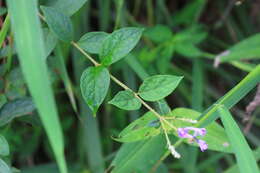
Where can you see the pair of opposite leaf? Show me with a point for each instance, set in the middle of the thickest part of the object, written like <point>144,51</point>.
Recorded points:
<point>111,48</point>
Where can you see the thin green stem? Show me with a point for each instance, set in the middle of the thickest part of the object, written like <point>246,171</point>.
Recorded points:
<point>125,87</point>
<point>118,81</point>
<point>85,54</point>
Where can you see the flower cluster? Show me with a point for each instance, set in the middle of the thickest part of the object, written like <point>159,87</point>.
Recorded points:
<point>184,133</point>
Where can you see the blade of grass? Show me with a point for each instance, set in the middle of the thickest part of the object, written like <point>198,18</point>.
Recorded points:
<point>232,97</point>
<point>104,14</point>
<point>163,8</point>
<point>136,66</point>
<point>29,42</point>
<point>238,64</point>
<point>9,55</point>
<point>245,158</point>
<point>234,169</point>
<point>4,29</point>
<point>197,85</point>
<point>119,7</point>
<point>197,104</point>
<point>64,76</point>
<point>150,12</point>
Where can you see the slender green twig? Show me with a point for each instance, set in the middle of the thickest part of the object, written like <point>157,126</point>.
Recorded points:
<point>124,87</point>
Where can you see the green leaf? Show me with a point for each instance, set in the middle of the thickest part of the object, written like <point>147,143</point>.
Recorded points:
<point>192,35</point>
<point>149,126</point>
<point>139,156</point>
<point>185,41</point>
<point>244,155</point>
<point>159,33</point>
<point>92,41</point>
<point>59,23</point>
<point>157,87</point>
<point>91,134</point>
<point>4,147</point>
<point>4,168</point>
<point>28,38</point>
<point>69,7</point>
<point>50,41</point>
<point>229,100</point>
<point>246,49</point>
<point>94,84</point>
<point>16,87</point>
<point>188,50</point>
<point>3,100</point>
<point>189,13</point>
<point>140,129</point>
<point>118,44</point>
<point>126,100</point>
<point>14,109</point>
<point>162,107</point>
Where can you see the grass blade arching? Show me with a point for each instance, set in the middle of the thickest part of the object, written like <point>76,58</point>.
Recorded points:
<point>243,153</point>
<point>30,47</point>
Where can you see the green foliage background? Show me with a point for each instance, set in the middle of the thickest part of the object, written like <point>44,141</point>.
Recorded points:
<point>83,85</point>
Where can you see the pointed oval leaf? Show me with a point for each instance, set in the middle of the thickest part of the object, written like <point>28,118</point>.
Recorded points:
<point>92,41</point>
<point>157,87</point>
<point>59,23</point>
<point>159,33</point>
<point>246,49</point>
<point>126,100</point>
<point>140,129</point>
<point>69,7</point>
<point>4,147</point>
<point>15,108</point>
<point>188,50</point>
<point>94,84</point>
<point>50,41</point>
<point>118,44</point>
<point>4,167</point>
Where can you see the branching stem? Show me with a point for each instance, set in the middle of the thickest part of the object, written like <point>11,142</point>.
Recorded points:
<point>161,118</point>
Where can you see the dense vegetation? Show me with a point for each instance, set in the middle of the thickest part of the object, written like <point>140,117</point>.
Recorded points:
<point>129,86</point>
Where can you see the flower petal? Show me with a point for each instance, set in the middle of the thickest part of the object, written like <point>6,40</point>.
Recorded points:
<point>202,144</point>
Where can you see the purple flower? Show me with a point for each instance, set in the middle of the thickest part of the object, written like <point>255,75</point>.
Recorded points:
<point>203,145</point>
<point>201,132</point>
<point>184,133</point>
